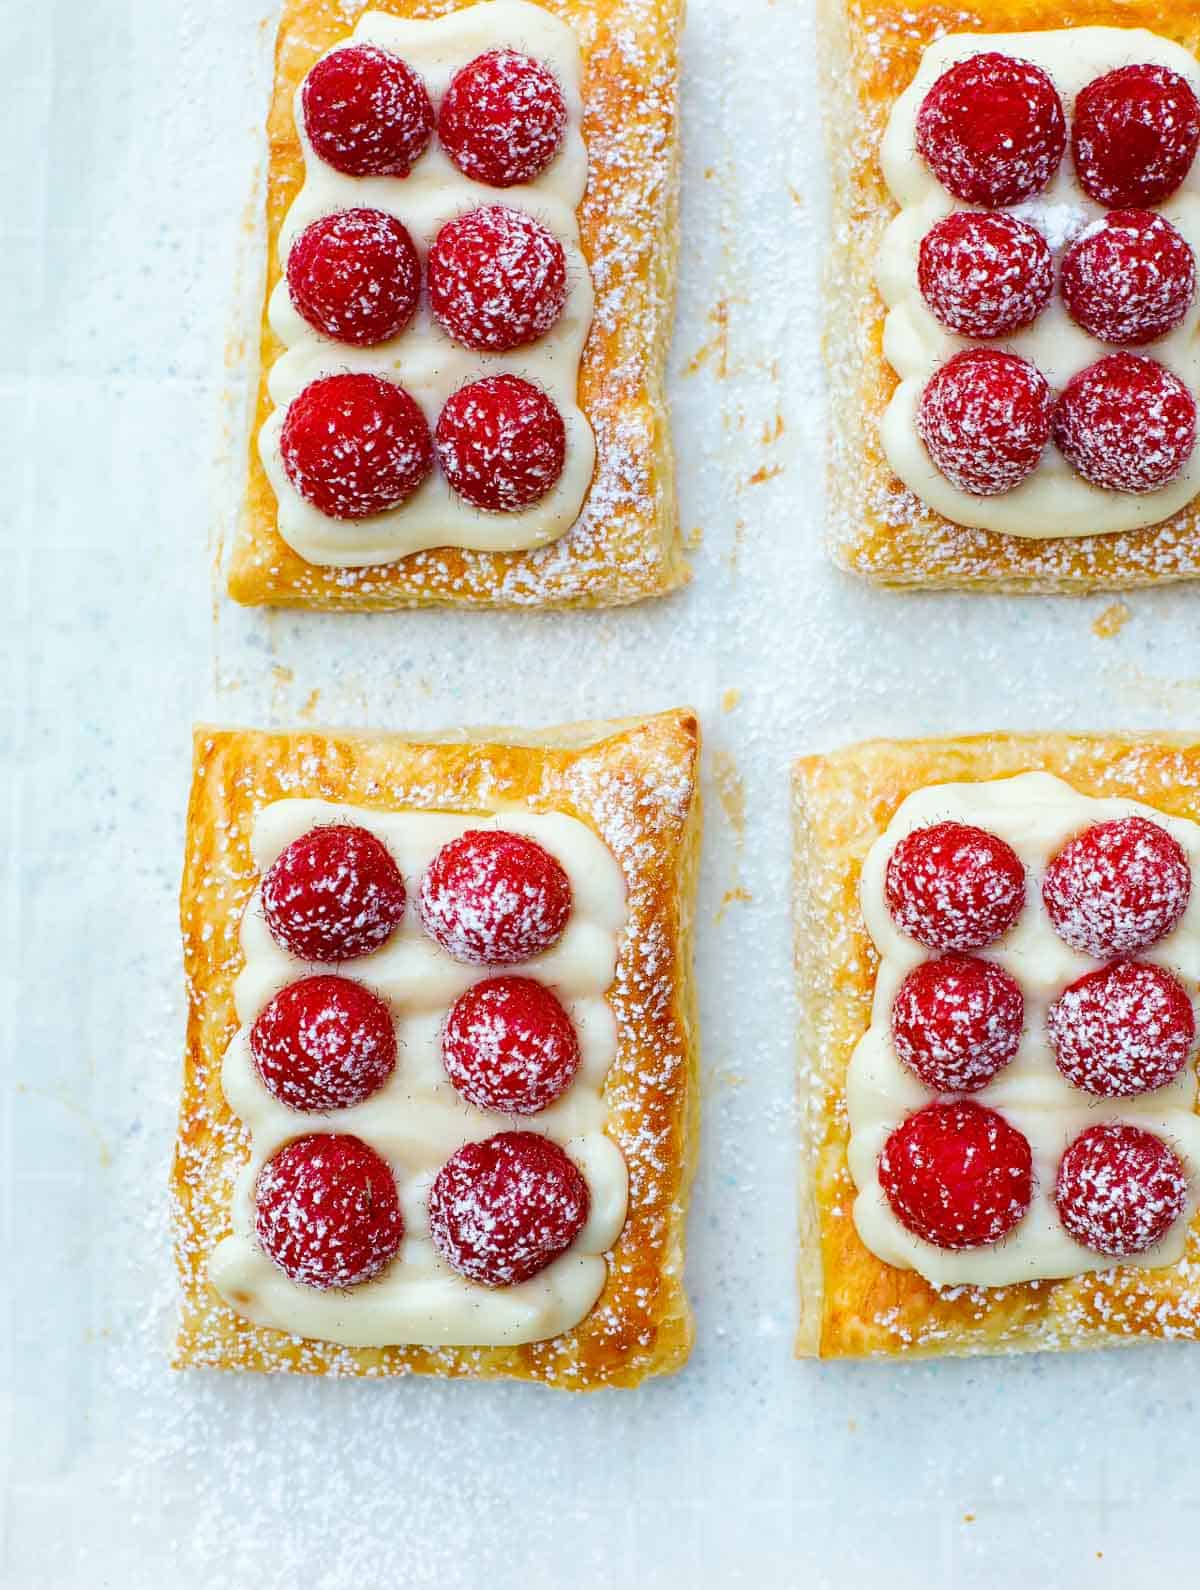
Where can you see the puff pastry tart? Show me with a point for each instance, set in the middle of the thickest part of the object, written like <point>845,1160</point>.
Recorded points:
<point>471,233</point>
<point>1014,333</point>
<point>998,946</point>
<point>439,1108</point>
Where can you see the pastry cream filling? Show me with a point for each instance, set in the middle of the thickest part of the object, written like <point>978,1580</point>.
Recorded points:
<point>422,358</point>
<point>1036,813</point>
<point>417,1120</point>
<point>1054,500</point>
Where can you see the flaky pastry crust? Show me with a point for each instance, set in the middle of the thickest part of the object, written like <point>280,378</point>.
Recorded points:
<point>877,527</point>
<point>634,783</point>
<point>851,1303</point>
<point>626,544</point>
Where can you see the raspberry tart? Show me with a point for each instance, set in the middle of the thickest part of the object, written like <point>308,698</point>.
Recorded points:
<point>445,413</point>
<point>439,1095</point>
<point>1013,340</point>
<point>999,951</point>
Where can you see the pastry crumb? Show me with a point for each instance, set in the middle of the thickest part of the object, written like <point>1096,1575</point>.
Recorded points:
<point>763,473</point>
<point>717,346</point>
<point>731,790</point>
<point>718,1078</point>
<point>1112,620</point>
<point>735,896</point>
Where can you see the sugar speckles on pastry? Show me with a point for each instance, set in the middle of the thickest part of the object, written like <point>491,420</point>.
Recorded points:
<point>500,437</point>
<point>439,1101</point>
<point>1083,474</point>
<point>1002,1150</point>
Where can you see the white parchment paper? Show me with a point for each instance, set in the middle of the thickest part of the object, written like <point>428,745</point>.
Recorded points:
<point>132,138</point>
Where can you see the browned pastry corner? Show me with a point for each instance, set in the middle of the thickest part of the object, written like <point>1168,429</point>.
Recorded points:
<point>852,1304</point>
<point>626,544</point>
<point>634,783</point>
<point>877,527</point>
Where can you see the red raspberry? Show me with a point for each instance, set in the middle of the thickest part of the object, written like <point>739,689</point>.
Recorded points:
<point>1117,887</point>
<point>327,1211</point>
<point>502,443</point>
<point>509,1046</point>
<point>355,276</point>
<point>503,118</point>
<point>985,275</point>
<point>324,1043</point>
<point>992,130</point>
<point>1119,1189</point>
<point>501,1210</point>
<point>954,887</point>
<point>957,1175</point>
<point>333,894</point>
<point>354,445</point>
<point>1129,278</point>
<point>1126,423</point>
<point>366,112</point>
<point>957,1021</point>
<point>985,418</point>
<point>1123,1030</point>
<point>497,279</point>
<point>1134,136</point>
<point>492,898</point>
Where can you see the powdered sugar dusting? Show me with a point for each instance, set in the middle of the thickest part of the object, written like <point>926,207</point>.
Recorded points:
<point>625,543</point>
<point>1118,886</point>
<point>954,886</point>
<point>844,806</point>
<point>355,276</point>
<point>199,1477</point>
<point>327,1213</point>
<point>354,446</point>
<point>643,1092</point>
<point>324,1043</point>
<point>502,443</point>
<point>915,533</point>
<point>1119,1189</point>
<point>503,118</point>
<point>1135,135</point>
<point>957,1021</point>
<point>501,1211</point>
<point>497,278</point>
<point>992,129</point>
<point>367,113</point>
<point>1122,1031</point>
<point>984,275</point>
<point>1127,424</point>
<point>985,419</point>
<point>494,899</point>
<point>1059,222</point>
<point>1129,278</point>
<point>333,894</point>
<point>508,1045</point>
